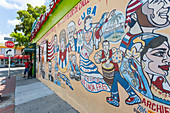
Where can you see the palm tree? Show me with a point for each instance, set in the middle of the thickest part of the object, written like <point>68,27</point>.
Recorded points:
<point>116,19</point>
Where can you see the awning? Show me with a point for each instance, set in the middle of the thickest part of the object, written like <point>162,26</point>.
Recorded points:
<point>26,57</point>
<point>20,56</point>
<point>17,57</point>
<point>2,56</point>
<point>29,49</point>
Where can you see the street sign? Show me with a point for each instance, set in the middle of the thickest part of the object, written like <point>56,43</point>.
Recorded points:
<point>9,52</point>
<point>9,39</point>
<point>9,44</point>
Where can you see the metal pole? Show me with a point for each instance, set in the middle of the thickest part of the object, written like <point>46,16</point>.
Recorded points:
<point>9,67</point>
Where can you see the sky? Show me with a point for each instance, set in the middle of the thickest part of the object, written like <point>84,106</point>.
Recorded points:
<point>8,14</point>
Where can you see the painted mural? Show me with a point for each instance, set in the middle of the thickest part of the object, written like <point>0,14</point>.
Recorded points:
<point>37,58</point>
<point>107,49</point>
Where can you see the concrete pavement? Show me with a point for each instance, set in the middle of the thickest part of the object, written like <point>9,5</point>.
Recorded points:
<point>31,96</point>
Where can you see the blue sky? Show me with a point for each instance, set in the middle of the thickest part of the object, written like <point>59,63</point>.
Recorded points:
<point>8,14</point>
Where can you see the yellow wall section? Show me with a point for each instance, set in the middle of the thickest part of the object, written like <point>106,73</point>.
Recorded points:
<point>80,98</point>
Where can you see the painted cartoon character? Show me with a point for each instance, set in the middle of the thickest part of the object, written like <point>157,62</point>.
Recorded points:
<point>148,55</point>
<point>56,64</point>
<point>72,41</point>
<point>56,46</point>
<point>87,68</point>
<point>50,77</point>
<point>145,16</point>
<point>98,31</point>
<point>110,58</point>
<point>43,70</point>
<point>141,17</point>
<point>63,52</point>
<point>75,72</point>
<point>156,62</point>
<point>57,79</point>
<point>88,49</point>
<point>80,40</point>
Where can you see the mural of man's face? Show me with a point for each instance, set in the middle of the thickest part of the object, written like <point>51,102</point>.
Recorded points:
<point>62,44</point>
<point>106,46</point>
<point>56,40</point>
<point>88,22</point>
<point>70,33</point>
<point>159,15</point>
<point>157,60</point>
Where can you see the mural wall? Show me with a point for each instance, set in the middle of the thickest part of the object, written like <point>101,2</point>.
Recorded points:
<point>108,55</point>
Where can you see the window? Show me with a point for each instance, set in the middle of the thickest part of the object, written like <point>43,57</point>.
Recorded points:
<point>2,61</point>
<point>2,50</point>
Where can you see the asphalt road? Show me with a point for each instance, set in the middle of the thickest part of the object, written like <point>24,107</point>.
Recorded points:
<point>13,71</point>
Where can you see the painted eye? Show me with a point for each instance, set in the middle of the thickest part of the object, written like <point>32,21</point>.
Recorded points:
<point>159,54</point>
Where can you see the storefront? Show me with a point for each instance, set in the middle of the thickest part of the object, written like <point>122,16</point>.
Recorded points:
<point>30,50</point>
<point>16,61</point>
<point>2,61</point>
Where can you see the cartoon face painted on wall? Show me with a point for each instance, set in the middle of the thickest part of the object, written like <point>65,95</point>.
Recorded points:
<point>87,22</point>
<point>148,13</point>
<point>156,62</point>
<point>70,31</point>
<point>156,59</point>
<point>106,46</point>
<point>55,39</point>
<point>157,12</point>
<point>62,37</point>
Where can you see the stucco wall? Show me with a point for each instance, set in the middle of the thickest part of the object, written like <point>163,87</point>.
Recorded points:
<point>110,56</point>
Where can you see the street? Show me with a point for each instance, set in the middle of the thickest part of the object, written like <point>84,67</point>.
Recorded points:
<point>13,71</point>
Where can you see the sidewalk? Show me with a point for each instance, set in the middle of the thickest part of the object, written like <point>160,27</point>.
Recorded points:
<point>32,96</point>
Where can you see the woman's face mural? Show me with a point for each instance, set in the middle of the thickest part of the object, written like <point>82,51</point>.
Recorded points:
<point>156,60</point>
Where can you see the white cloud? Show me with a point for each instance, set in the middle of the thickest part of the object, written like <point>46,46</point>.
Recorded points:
<point>23,3</point>
<point>20,4</point>
<point>14,22</point>
<point>8,5</point>
<point>2,37</point>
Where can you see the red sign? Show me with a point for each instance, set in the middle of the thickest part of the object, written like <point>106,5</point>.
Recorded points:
<point>9,44</point>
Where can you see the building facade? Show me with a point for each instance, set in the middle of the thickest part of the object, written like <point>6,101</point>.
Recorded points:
<point>105,56</point>
<point>17,60</point>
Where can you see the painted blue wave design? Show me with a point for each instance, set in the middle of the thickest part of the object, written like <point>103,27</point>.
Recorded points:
<point>88,67</point>
<point>85,61</point>
<point>88,64</point>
